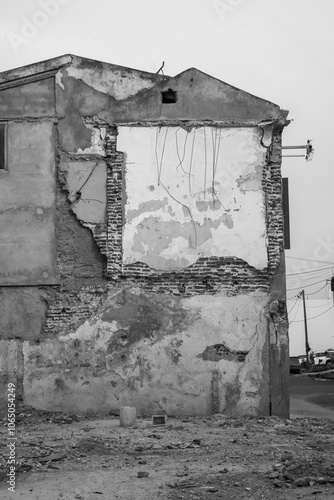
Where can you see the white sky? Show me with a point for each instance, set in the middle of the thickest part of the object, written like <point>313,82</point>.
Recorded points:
<point>279,50</point>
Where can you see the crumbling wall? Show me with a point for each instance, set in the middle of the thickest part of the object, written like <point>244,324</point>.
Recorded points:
<point>147,350</point>
<point>169,253</point>
<point>189,340</point>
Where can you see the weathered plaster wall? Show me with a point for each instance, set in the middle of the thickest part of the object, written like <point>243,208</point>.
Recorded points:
<point>117,81</point>
<point>86,183</point>
<point>11,370</point>
<point>193,193</point>
<point>27,205</point>
<point>35,99</point>
<point>22,312</point>
<point>87,88</point>
<point>182,321</point>
<point>198,97</point>
<point>157,353</point>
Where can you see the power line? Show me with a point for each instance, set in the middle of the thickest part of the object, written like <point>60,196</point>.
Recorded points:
<point>310,271</point>
<point>310,260</point>
<point>289,312</point>
<point>305,279</point>
<point>317,307</point>
<point>312,276</point>
<point>313,317</point>
<point>291,298</point>
<point>313,293</point>
<point>296,313</point>
<point>315,283</point>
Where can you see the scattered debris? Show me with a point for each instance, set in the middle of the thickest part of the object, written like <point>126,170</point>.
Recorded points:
<point>209,457</point>
<point>143,473</point>
<point>159,419</point>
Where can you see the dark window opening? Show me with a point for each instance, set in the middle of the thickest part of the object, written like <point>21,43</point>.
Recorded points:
<point>169,96</point>
<point>2,146</point>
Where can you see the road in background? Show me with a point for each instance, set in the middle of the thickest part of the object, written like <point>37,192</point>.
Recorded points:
<point>311,396</point>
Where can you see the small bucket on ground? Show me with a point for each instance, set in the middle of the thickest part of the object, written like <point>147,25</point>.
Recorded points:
<point>127,416</point>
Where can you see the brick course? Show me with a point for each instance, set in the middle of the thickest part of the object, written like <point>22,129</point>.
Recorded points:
<point>207,275</point>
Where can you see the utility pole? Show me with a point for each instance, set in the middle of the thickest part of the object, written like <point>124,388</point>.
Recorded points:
<point>307,345</point>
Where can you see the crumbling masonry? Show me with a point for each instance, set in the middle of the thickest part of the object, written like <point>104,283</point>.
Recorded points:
<point>142,258</point>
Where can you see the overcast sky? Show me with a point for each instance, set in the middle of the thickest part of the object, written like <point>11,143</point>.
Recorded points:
<point>278,50</point>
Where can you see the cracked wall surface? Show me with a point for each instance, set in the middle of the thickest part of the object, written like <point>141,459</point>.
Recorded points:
<point>154,243</point>
<point>144,350</point>
<point>193,193</point>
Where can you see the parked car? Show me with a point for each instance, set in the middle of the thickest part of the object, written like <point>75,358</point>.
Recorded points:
<point>295,365</point>
<point>323,357</point>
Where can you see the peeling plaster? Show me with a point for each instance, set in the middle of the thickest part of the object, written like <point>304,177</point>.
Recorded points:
<point>119,83</point>
<point>85,182</point>
<point>267,136</point>
<point>206,174</point>
<point>221,351</point>
<point>251,181</point>
<point>145,350</point>
<point>58,79</point>
<point>97,143</point>
<point>147,206</point>
<point>190,191</point>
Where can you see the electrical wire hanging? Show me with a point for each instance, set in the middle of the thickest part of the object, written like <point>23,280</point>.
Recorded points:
<point>298,302</point>
<point>289,312</point>
<point>160,183</point>
<point>184,151</point>
<point>191,163</point>
<point>215,157</point>
<point>205,160</point>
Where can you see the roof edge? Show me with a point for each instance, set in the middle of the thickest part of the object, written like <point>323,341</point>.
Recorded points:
<point>55,63</point>
<point>35,68</point>
<point>225,83</point>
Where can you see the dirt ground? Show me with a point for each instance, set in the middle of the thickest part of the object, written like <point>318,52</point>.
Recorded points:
<point>67,457</point>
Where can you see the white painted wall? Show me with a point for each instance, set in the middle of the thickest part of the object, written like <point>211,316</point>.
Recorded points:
<point>193,193</point>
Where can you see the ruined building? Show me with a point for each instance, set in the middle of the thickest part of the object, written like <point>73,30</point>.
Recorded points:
<point>141,244</point>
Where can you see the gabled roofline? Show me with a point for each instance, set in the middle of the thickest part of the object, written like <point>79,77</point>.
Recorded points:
<point>225,83</point>
<point>36,69</point>
<point>43,69</point>
<point>48,68</point>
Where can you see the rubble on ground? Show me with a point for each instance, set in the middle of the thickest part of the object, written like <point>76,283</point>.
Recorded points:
<point>192,457</point>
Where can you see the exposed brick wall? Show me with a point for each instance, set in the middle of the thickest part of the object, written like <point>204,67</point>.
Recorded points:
<point>115,207</point>
<point>207,275</point>
<point>79,260</point>
<point>81,267</point>
<point>71,308</point>
<point>272,185</point>
<point>83,270</point>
